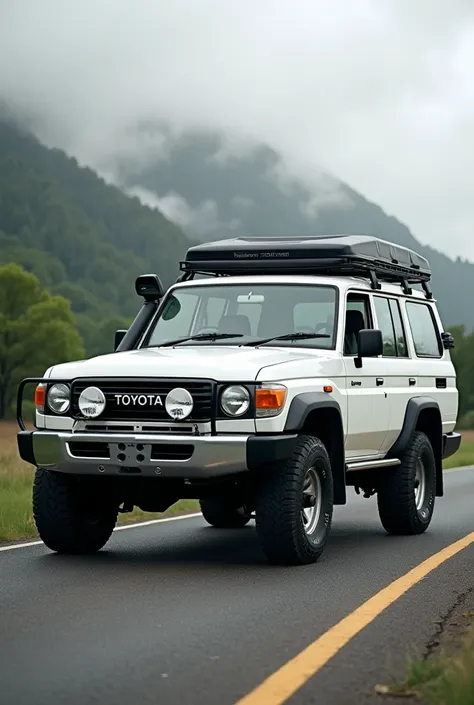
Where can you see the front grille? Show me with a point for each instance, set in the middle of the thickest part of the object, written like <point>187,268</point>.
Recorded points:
<point>130,428</point>
<point>128,410</point>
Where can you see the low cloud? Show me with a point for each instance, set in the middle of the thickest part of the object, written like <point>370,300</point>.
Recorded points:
<point>199,221</point>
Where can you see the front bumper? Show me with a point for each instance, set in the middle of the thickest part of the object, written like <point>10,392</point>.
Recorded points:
<point>185,457</point>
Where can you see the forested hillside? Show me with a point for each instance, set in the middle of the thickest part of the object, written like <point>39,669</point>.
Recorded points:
<point>84,239</point>
<point>251,193</point>
<point>80,243</point>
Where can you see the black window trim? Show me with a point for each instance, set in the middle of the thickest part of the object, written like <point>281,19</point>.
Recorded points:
<point>391,297</point>
<point>421,356</point>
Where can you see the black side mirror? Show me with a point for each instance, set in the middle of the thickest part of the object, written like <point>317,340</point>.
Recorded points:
<point>448,341</point>
<point>150,287</point>
<point>119,336</point>
<point>369,344</point>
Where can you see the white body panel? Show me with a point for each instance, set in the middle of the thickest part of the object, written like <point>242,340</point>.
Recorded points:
<point>372,414</point>
<point>367,408</point>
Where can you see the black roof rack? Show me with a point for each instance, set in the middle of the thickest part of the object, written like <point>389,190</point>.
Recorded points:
<point>346,255</point>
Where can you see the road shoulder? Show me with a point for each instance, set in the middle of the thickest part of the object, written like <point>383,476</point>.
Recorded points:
<point>415,623</point>
<point>443,663</point>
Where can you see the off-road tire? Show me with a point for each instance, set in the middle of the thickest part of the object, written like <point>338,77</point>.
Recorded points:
<point>278,508</point>
<point>65,522</point>
<point>396,495</point>
<point>223,515</point>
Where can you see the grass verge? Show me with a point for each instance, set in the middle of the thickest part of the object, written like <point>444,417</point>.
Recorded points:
<point>16,477</point>
<point>444,679</point>
<point>465,454</point>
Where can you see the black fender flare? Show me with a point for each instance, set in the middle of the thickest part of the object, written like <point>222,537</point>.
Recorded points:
<point>303,404</point>
<point>332,434</point>
<point>415,407</point>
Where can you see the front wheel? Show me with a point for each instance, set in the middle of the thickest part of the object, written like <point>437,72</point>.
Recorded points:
<point>294,505</point>
<point>406,496</point>
<point>67,520</point>
<point>223,515</point>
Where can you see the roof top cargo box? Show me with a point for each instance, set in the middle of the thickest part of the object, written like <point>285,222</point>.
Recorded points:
<point>350,255</point>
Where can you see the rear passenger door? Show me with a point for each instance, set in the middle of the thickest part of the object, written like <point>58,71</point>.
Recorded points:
<point>400,378</point>
<point>367,402</point>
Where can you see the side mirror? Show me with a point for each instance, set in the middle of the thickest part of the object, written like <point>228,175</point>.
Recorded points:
<point>369,344</point>
<point>448,341</point>
<point>119,336</point>
<point>150,287</point>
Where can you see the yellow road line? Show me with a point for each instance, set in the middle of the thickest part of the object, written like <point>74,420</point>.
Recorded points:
<point>282,684</point>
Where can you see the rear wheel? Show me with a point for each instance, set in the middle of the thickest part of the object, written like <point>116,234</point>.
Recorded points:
<point>406,497</point>
<point>224,515</point>
<point>294,505</point>
<point>67,520</point>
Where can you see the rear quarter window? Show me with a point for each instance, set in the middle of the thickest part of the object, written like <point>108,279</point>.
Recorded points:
<point>424,330</point>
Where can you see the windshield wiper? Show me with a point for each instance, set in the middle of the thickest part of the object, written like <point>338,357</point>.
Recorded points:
<point>289,336</point>
<point>200,336</point>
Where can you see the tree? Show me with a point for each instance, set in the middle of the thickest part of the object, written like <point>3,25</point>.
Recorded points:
<point>36,331</point>
<point>463,360</point>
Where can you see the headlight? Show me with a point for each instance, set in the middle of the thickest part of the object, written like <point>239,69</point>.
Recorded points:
<point>270,400</point>
<point>235,401</point>
<point>59,398</point>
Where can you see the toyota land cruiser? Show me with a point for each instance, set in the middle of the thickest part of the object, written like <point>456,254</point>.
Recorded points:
<point>270,377</point>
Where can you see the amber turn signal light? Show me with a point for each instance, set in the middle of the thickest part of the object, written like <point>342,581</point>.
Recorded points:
<point>40,396</point>
<point>269,401</point>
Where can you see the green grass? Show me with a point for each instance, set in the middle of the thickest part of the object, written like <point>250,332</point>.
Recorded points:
<point>16,477</point>
<point>16,480</point>
<point>440,680</point>
<point>15,505</point>
<point>465,454</point>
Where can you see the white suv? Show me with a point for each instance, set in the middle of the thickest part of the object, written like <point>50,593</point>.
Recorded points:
<point>286,371</point>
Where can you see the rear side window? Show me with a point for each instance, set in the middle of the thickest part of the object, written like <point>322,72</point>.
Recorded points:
<point>423,330</point>
<point>390,323</point>
<point>385,324</point>
<point>400,339</point>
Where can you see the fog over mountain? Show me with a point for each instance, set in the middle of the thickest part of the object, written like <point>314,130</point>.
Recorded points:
<point>379,95</point>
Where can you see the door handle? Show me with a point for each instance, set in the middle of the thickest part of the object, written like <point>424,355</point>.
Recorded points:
<point>412,381</point>
<point>379,381</point>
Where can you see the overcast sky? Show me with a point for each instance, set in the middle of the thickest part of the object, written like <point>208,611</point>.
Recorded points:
<point>379,92</point>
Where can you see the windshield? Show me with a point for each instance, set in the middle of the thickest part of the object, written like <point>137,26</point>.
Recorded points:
<point>249,312</point>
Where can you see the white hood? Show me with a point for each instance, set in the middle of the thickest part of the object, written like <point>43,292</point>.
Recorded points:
<point>217,362</point>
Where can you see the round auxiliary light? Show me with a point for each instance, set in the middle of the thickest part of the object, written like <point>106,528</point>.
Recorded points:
<point>235,400</point>
<point>179,403</point>
<point>59,398</point>
<point>91,402</point>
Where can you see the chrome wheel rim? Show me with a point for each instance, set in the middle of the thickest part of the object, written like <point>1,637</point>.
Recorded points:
<point>420,484</point>
<point>312,501</point>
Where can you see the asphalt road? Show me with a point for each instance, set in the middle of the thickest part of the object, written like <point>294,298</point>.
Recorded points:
<point>182,613</point>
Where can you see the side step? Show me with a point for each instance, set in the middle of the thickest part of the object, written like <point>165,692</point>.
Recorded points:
<point>373,464</point>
